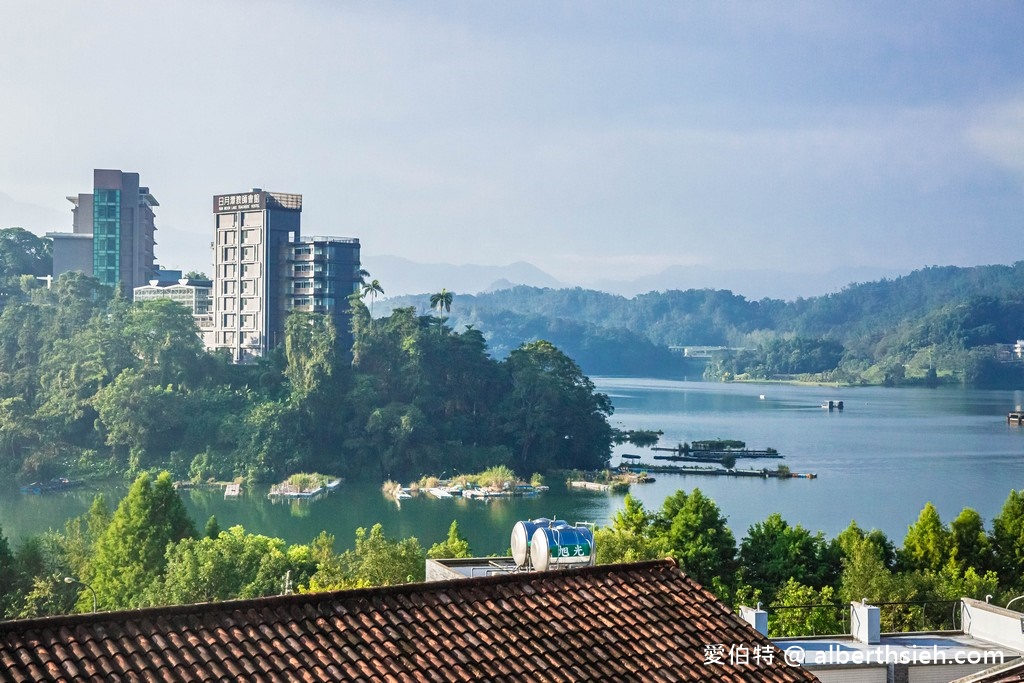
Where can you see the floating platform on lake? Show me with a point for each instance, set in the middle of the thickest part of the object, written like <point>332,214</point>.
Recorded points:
<point>589,486</point>
<point>232,490</point>
<point>286,490</point>
<point>720,472</point>
<point>700,455</point>
<point>832,405</point>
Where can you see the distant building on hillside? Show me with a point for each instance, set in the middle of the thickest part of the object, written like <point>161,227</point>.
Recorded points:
<point>113,232</point>
<point>264,269</point>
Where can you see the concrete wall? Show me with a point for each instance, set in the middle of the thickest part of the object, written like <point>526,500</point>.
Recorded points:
<point>992,623</point>
<point>71,252</point>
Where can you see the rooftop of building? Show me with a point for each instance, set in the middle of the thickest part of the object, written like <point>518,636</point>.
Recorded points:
<point>643,621</point>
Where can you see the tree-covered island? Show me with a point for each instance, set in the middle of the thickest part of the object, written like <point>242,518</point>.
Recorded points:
<point>91,382</point>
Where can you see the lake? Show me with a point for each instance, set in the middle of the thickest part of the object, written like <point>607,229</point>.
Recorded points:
<point>878,461</point>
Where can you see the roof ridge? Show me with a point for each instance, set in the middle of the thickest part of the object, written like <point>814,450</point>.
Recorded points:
<point>297,599</point>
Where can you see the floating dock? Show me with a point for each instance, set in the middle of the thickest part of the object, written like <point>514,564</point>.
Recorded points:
<point>720,472</point>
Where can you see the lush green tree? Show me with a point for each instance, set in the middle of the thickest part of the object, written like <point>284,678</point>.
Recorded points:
<point>275,444</point>
<point>692,529</point>
<point>16,428</point>
<point>790,615</point>
<point>8,578</point>
<point>163,335</point>
<point>379,561</point>
<point>82,534</point>
<point>629,538</point>
<point>311,352</point>
<point>141,418</point>
<point>130,555</point>
<point>969,544</point>
<point>77,298</point>
<point>212,529</point>
<point>453,546</point>
<point>553,413</point>
<point>233,565</point>
<point>850,538</point>
<point>926,545</point>
<point>866,577</point>
<point>330,571</point>
<point>773,552</point>
<point>1008,539</point>
<point>23,253</point>
<point>25,340</point>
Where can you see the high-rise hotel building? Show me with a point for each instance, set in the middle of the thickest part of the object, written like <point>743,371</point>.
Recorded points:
<point>263,269</point>
<point>113,232</point>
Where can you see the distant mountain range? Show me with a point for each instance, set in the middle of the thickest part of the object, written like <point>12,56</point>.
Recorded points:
<point>400,276</point>
<point>37,219</point>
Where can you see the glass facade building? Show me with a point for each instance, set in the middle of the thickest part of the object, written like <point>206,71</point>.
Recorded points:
<point>113,232</point>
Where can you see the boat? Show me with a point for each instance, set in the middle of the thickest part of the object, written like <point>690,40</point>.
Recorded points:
<point>438,492</point>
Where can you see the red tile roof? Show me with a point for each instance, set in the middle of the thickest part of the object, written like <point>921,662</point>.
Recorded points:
<point>643,622</point>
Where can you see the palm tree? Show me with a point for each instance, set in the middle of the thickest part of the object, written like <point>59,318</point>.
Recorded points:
<point>372,289</point>
<point>362,275</point>
<point>442,301</point>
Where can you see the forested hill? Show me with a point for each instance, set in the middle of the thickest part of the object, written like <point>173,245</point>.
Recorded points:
<point>941,309</point>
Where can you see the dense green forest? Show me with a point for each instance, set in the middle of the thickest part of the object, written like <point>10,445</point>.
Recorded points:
<point>786,566</point>
<point>935,325</point>
<point>90,382</point>
<point>147,552</point>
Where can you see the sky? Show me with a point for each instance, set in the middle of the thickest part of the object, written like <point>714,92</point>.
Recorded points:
<point>594,140</point>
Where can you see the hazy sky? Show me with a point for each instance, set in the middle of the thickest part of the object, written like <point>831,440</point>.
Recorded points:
<point>592,139</point>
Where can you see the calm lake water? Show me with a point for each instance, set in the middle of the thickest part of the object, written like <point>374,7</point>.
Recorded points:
<point>878,461</point>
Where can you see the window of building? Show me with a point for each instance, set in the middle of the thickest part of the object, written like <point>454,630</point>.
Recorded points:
<point>228,287</point>
<point>254,218</point>
<point>248,287</point>
<point>229,270</point>
<point>250,303</point>
<point>228,253</point>
<point>228,303</point>
<point>248,253</point>
<point>229,337</point>
<point>228,320</point>
<point>226,220</point>
<point>248,321</point>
